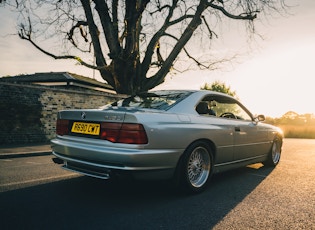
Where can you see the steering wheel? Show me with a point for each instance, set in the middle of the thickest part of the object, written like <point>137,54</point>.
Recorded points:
<point>228,115</point>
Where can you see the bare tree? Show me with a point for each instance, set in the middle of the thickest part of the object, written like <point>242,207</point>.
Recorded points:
<point>134,43</point>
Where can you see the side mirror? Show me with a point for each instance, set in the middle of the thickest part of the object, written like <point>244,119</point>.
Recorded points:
<point>260,118</point>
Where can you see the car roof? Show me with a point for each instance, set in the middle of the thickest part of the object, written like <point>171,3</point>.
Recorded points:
<point>188,104</point>
<point>199,92</point>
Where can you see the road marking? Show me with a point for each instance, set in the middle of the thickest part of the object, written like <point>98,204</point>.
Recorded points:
<point>259,175</point>
<point>70,175</point>
<point>34,163</point>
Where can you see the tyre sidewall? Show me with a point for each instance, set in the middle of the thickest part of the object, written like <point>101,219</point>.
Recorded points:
<point>270,162</point>
<point>184,179</point>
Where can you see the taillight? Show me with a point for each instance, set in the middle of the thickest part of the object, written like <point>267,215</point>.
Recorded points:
<point>123,133</point>
<point>62,127</point>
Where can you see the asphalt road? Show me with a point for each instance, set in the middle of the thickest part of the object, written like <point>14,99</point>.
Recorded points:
<point>36,194</point>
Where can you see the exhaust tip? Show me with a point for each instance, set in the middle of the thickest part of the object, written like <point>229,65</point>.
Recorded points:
<point>57,161</point>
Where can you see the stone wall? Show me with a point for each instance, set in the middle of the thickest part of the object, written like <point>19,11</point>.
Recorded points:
<point>28,113</point>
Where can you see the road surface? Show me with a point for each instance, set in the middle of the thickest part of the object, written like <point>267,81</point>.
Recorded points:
<point>36,194</point>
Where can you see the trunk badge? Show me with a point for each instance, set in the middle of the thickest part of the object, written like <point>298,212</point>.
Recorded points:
<point>83,115</point>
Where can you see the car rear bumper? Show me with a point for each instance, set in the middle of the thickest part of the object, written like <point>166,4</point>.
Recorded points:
<point>104,162</point>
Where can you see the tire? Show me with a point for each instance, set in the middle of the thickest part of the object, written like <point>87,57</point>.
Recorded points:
<point>196,167</point>
<point>274,154</point>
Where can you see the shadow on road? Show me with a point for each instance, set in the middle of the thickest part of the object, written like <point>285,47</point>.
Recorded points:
<point>87,203</point>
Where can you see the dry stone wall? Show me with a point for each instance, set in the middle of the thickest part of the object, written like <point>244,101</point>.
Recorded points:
<point>28,113</point>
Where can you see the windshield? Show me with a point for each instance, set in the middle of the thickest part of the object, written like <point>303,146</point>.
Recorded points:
<point>161,100</point>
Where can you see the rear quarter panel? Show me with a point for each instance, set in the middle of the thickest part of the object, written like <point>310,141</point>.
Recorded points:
<point>175,131</point>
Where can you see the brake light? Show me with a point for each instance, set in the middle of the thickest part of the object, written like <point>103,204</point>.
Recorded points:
<point>127,133</point>
<point>62,127</point>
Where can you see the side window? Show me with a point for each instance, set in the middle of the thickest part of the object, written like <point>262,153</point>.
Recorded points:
<point>231,110</point>
<point>205,108</point>
<point>224,107</point>
<point>240,113</point>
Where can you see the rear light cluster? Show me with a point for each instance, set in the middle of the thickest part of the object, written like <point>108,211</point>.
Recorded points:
<point>128,133</point>
<point>123,133</point>
<point>62,127</point>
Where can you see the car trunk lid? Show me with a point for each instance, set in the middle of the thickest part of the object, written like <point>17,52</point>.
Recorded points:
<point>101,124</point>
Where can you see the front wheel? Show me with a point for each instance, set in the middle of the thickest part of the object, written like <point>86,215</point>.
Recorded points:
<point>274,154</point>
<point>196,167</point>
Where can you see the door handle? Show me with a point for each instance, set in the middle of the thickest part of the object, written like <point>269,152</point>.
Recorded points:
<point>237,129</point>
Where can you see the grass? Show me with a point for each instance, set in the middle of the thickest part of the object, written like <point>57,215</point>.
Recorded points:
<point>298,131</point>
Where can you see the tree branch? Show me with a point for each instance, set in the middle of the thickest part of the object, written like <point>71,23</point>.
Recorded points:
<point>188,32</point>
<point>147,60</point>
<point>115,17</point>
<point>110,32</point>
<point>79,25</point>
<point>26,35</point>
<point>211,32</point>
<point>100,60</point>
<point>244,16</point>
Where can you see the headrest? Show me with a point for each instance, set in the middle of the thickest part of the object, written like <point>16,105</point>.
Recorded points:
<point>202,107</point>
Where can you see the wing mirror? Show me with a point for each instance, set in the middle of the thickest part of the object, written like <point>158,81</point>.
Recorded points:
<point>260,118</point>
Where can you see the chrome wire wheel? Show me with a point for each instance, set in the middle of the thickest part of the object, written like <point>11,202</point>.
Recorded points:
<point>198,167</point>
<point>275,152</point>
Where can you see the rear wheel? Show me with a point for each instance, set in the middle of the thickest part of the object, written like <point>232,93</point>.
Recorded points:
<point>274,154</point>
<point>196,167</point>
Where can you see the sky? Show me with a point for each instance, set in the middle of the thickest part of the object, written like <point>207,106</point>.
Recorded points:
<point>275,74</point>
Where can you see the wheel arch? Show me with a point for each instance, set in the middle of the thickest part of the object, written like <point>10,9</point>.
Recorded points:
<point>210,144</point>
<point>177,178</point>
<point>279,137</point>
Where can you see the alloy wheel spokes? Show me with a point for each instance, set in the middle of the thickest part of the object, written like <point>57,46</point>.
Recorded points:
<point>198,167</point>
<point>275,152</point>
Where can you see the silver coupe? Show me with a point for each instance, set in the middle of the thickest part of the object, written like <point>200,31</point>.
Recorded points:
<point>183,135</point>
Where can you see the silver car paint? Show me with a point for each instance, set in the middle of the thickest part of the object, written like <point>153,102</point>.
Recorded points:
<point>169,134</point>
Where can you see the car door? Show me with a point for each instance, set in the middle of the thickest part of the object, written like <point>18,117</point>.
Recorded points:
<point>249,140</point>
<point>238,127</point>
<point>212,128</point>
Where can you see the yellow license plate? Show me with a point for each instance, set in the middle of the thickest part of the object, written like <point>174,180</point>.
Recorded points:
<point>86,128</point>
